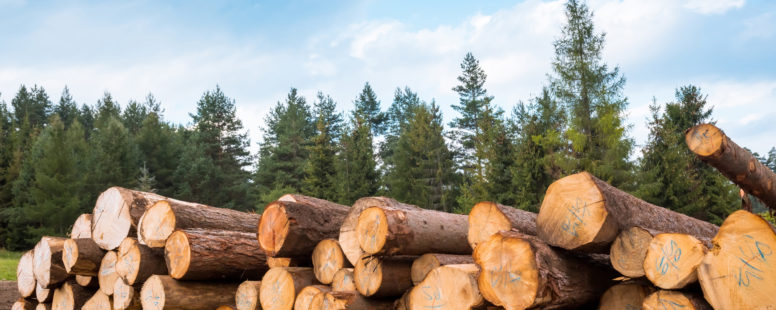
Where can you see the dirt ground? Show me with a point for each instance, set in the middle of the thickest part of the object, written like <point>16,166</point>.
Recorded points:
<point>8,294</point>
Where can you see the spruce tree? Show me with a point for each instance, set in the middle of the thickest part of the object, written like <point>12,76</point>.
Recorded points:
<point>67,109</point>
<point>160,146</point>
<point>114,158</point>
<point>357,173</point>
<point>33,106</point>
<point>107,108</point>
<point>320,172</point>
<point>367,105</point>
<point>398,116</point>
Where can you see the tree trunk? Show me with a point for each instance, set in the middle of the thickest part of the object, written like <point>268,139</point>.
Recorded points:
<point>82,228</point>
<point>23,304</point>
<point>348,300</point>
<point>739,272</point>
<point>107,275</point>
<point>280,286</point>
<point>247,296</point>
<point>328,259</point>
<point>290,229</point>
<point>343,280</point>
<point>43,295</point>
<point>99,301</point>
<point>348,237</point>
<point>388,276</point>
<point>82,256</point>
<point>672,260</point>
<point>409,230</point>
<point>629,250</point>
<point>87,281</point>
<point>125,296</point>
<point>581,212</point>
<point>628,295</point>
<point>116,215</point>
<point>200,254</point>
<point>167,216</point>
<point>427,262</point>
<point>70,296</point>
<point>739,165</point>
<point>162,292</point>
<point>520,271</point>
<point>305,296</point>
<point>487,218</point>
<point>25,276</point>
<point>448,287</point>
<point>661,300</point>
<point>48,267</point>
<point>137,262</point>
<point>302,261</point>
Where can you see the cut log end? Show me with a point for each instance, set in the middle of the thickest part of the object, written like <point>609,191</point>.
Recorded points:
<point>46,306</point>
<point>82,228</point>
<point>107,274</point>
<point>152,295</point>
<point>704,139</point>
<point>368,275</point>
<point>672,260</point>
<point>388,276</point>
<point>125,296</point>
<point>327,259</point>
<point>177,254</point>
<point>86,281</point>
<point>348,301</point>
<point>280,286</point>
<point>43,294</point>
<point>485,219</point>
<point>128,260</point>
<point>372,230</point>
<point>25,277</point>
<point>343,280</point>
<point>450,286</point>
<point>662,299</point>
<point>247,296</point>
<point>82,256</point>
<point>305,297</point>
<point>99,301</point>
<point>428,262</point>
<point>70,254</point>
<point>158,224</point>
<point>48,267</point>
<point>629,250</point>
<point>509,276</point>
<point>111,221</point>
<point>70,297</point>
<point>23,304</point>
<point>273,228</point>
<point>627,296</point>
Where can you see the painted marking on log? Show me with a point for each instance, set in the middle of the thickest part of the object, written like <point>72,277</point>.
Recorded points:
<point>110,268</point>
<point>373,231</point>
<point>155,299</point>
<point>669,304</point>
<point>575,217</point>
<point>433,297</point>
<point>242,299</point>
<point>702,138</point>
<point>329,258</point>
<point>499,278</point>
<point>756,255</point>
<point>276,289</point>
<point>671,254</point>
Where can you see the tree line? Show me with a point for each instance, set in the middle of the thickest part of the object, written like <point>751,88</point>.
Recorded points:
<point>55,158</point>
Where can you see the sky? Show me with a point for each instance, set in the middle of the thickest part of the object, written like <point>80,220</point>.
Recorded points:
<point>257,50</point>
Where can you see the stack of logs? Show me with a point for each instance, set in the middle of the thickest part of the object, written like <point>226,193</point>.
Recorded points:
<point>591,245</point>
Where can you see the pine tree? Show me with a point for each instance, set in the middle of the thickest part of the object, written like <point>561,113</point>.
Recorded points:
<point>473,101</point>
<point>160,145</point>
<point>398,116</point>
<point>357,173</point>
<point>114,159</point>
<point>86,118</point>
<point>133,116</point>
<point>107,108</point>
<point>33,105</point>
<point>320,172</point>
<point>368,107</point>
<point>67,109</point>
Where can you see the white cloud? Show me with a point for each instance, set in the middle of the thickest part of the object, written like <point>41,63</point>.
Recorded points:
<point>761,26</point>
<point>713,6</point>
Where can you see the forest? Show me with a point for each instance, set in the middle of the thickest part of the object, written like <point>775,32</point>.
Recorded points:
<point>56,155</point>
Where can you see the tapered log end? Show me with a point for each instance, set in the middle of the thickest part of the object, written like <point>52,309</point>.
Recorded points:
<point>111,221</point>
<point>704,140</point>
<point>629,250</point>
<point>124,295</point>
<point>509,276</point>
<point>128,260</point>
<point>625,296</point>
<point>277,290</point>
<point>25,277</point>
<point>152,295</point>
<point>305,297</point>
<point>82,228</point>
<point>672,260</point>
<point>372,230</point>
<point>368,275</point>
<point>107,274</point>
<point>273,228</point>
<point>343,280</point>
<point>70,254</point>
<point>247,296</point>
<point>158,224</point>
<point>43,294</point>
<point>177,254</point>
<point>99,301</point>
<point>485,219</point>
<point>450,286</point>
<point>327,259</point>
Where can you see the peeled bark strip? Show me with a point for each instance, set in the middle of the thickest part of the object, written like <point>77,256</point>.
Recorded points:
<point>487,218</point>
<point>116,215</point>
<point>348,237</point>
<point>409,230</point>
<point>166,216</point>
<point>70,296</point>
<point>247,296</point>
<point>303,261</point>
<point>448,287</point>
<point>47,262</point>
<point>581,212</point>
<point>82,256</point>
<point>347,301</point>
<point>25,276</point>
<point>163,292</point>
<point>280,286</point>
<point>387,276</point>
<point>739,165</point>
<point>200,254</point>
<point>23,304</point>
<point>87,281</point>
<point>629,251</point>
<point>305,296</point>
<point>520,271</point>
<point>628,295</point>
<point>739,272</point>
<point>343,280</point>
<point>43,295</point>
<point>137,262</point>
<point>82,228</point>
<point>125,296</point>
<point>107,275</point>
<point>328,259</point>
<point>672,260</point>
<point>99,301</point>
<point>661,300</point>
<point>290,229</point>
<point>427,262</point>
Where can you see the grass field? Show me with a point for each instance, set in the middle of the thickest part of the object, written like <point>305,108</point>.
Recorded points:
<point>8,261</point>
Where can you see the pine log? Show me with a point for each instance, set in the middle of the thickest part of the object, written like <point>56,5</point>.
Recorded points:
<point>303,261</point>
<point>672,260</point>
<point>348,238</point>
<point>448,287</point>
<point>48,267</point>
<point>347,301</point>
<point>628,295</point>
<point>163,292</point>
<point>328,259</point>
<point>25,276</point>
<point>203,254</point>
<point>99,301</point>
<point>739,165</point>
<point>427,262</point>
<point>43,295</point>
<point>280,286</point>
<point>343,280</point>
<point>388,276</point>
<point>662,299</point>
<point>70,296</point>
<point>82,227</point>
<point>116,215</point>
<point>629,251</point>
<point>247,296</point>
<point>487,218</point>
<point>125,296</point>
<point>87,281</point>
<point>23,304</point>
<point>305,296</point>
<point>107,274</point>
<point>137,262</point>
<point>82,256</point>
<point>290,229</point>
<point>520,271</point>
<point>43,306</point>
<point>409,230</point>
<point>739,272</point>
<point>581,212</point>
<point>167,216</point>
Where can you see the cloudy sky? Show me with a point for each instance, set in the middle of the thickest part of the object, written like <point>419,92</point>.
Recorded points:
<point>257,51</point>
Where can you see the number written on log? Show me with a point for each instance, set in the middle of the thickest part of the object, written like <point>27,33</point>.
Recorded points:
<point>109,269</point>
<point>753,256</point>
<point>577,212</point>
<point>500,278</point>
<point>433,296</point>
<point>671,254</point>
<point>372,233</point>
<point>703,138</point>
<point>329,260</point>
<point>669,304</point>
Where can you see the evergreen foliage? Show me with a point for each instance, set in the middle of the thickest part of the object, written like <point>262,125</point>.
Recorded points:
<point>368,107</point>
<point>357,175</point>
<point>320,171</point>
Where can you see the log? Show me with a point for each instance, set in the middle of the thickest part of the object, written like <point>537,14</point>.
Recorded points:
<point>166,216</point>
<point>327,259</point>
<point>202,254</point>
<point>348,300</point>
<point>226,307</point>
<point>403,303</point>
<point>672,260</point>
<point>116,215</point>
<point>627,295</point>
<point>87,281</point>
<point>44,306</point>
<point>99,301</point>
<point>82,256</point>
<point>247,296</point>
<point>107,274</point>
<point>47,262</point>
<point>70,296</point>
<point>290,229</point>
<point>343,280</point>
<point>388,276</point>
<point>163,292</point>
<point>23,304</point>
<point>25,276</point>
<point>663,299</point>
<point>448,287</point>
<point>713,147</point>
<point>582,213</point>
<point>82,228</point>
<point>629,250</point>
<point>739,272</point>
<point>520,271</point>
<point>487,218</point>
<point>348,238</point>
<point>409,230</point>
<point>43,295</point>
<point>137,262</point>
<point>125,296</point>
<point>427,262</point>
<point>305,296</point>
<point>280,286</point>
<point>273,262</point>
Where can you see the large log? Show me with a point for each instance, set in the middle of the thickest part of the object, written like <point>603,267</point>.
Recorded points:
<point>520,271</point>
<point>739,165</point>
<point>348,237</point>
<point>629,296</point>
<point>166,216</point>
<point>107,274</point>
<point>739,272</point>
<point>137,262</point>
<point>82,256</point>
<point>290,229</point>
<point>47,263</point>
<point>280,286</point>
<point>404,229</point>
<point>98,301</point>
<point>23,304</point>
<point>247,296</point>
<point>125,296</point>
<point>581,212</point>
<point>672,260</point>
<point>70,296</point>
<point>661,300</point>
<point>204,254</point>
<point>427,262</point>
<point>25,276</point>
<point>162,292</point>
<point>116,215</point>
<point>448,287</point>
<point>388,276</point>
<point>327,259</point>
<point>629,250</point>
<point>305,296</point>
<point>82,228</point>
<point>347,301</point>
<point>487,218</point>
<point>343,280</point>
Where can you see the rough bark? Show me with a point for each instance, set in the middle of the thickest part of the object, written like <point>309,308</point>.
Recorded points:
<point>581,212</point>
<point>327,259</point>
<point>98,301</point>
<point>280,286</point>
<point>487,218</point>
<point>125,296</point>
<point>673,259</point>
<point>82,228</point>
<point>247,296</point>
<point>116,215</point>
<point>448,287</point>
<point>162,292</point>
<point>343,280</point>
<point>70,296</point>
<point>48,267</point>
<point>662,299</point>
<point>348,238</point>
<point>388,276</point>
<point>25,276</point>
<point>305,296</point>
<point>204,254</point>
<point>290,229</point>
<point>82,256</point>
<point>629,250</point>
<point>137,262</point>
<point>427,262</point>
<point>348,300</point>
<point>628,295</point>
<point>43,295</point>
<point>107,274</point>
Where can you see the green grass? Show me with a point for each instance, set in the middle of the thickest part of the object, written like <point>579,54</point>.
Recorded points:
<point>8,262</point>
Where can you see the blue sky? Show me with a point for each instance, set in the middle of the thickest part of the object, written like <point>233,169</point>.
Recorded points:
<point>256,51</point>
